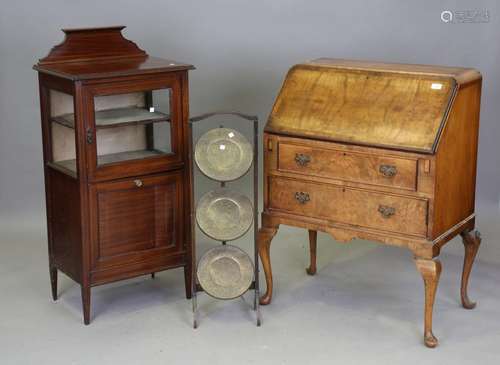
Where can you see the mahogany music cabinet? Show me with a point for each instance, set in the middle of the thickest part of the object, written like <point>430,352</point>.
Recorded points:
<point>115,150</point>
<point>383,152</point>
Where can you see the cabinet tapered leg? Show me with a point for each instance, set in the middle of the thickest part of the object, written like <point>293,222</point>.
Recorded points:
<point>86,303</point>
<point>430,271</point>
<point>265,237</point>
<point>471,241</point>
<point>188,277</point>
<point>53,282</point>
<point>311,270</point>
<point>152,275</point>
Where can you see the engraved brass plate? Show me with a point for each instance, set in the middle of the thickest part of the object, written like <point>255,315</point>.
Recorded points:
<point>223,154</point>
<point>224,215</point>
<point>225,272</point>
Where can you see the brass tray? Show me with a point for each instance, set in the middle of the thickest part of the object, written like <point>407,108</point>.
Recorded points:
<point>224,215</point>
<point>225,272</point>
<point>223,154</point>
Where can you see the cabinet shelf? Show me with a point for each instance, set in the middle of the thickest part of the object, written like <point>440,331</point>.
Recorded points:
<point>116,117</point>
<point>111,158</point>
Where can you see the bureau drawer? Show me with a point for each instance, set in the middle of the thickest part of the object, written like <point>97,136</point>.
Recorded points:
<point>348,166</point>
<point>351,206</point>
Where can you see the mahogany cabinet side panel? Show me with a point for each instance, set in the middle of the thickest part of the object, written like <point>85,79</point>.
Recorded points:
<point>65,249</point>
<point>456,161</point>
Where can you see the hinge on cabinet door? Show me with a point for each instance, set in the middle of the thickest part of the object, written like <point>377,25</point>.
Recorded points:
<point>90,136</point>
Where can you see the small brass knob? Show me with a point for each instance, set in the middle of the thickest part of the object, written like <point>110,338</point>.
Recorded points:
<point>138,183</point>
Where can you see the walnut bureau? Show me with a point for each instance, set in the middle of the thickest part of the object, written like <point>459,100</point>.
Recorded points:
<point>376,151</point>
<point>115,149</point>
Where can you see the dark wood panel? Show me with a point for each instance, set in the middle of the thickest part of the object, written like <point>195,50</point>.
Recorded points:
<point>91,44</point>
<point>149,265</point>
<point>135,215</point>
<point>126,221</point>
<point>64,201</point>
<point>113,68</point>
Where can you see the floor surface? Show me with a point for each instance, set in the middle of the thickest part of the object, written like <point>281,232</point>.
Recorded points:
<point>364,306</point>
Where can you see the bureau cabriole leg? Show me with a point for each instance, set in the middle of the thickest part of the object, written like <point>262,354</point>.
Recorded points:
<point>86,303</point>
<point>430,271</point>
<point>265,237</point>
<point>471,243</point>
<point>53,282</point>
<point>311,270</point>
<point>152,275</point>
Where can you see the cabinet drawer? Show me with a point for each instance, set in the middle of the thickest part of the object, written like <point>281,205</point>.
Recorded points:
<point>135,219</point>
<point>351,206</point>
<point>348,166</point>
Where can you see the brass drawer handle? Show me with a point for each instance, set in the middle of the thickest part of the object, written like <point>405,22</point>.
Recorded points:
<point>386,211</point>
<point>388,170</point>
<point>302,197</point>
<point>138,183</point>
<point>301,159</point>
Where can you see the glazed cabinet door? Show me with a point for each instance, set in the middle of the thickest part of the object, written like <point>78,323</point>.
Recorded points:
<point>136,220</point>
<point>133,127</point>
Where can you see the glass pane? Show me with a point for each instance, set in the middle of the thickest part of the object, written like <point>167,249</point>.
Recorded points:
<point>161,131</point>
<point>63,131</point>
<point>132,126</point>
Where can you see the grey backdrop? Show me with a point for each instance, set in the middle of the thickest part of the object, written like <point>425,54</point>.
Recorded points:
<point>242,51</point>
